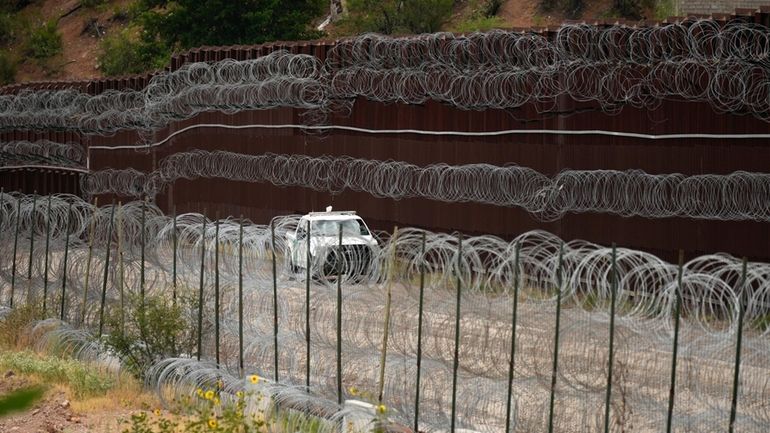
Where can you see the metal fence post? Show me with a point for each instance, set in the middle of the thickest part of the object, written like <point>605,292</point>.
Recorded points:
<point>200,291</point>
<point>31,245</point>
<point>307,309</point>
<point>106,269</point>
<point>141,262</point>
<point>737,369</point>
<point>554,371</point>
<point>613,289</point>
<point>386,327</point>
<point>174,247</point>
<point>339,319</point>
<point>513,336</point>
<point>677,312</point>
<point>456,363</point>
<point>216,288</point>
<point>45,262</point>
<point>419,337</point>
<point>64,267</point>
<point>240,298</point>
<point>2,204</point>
<point>121,268</point>
<point>88,260</point>
<point>15,248</point>
<point>275,301</point>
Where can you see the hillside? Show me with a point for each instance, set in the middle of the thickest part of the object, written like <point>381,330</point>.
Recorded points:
<point>81,29</point>
<point>83,25</point>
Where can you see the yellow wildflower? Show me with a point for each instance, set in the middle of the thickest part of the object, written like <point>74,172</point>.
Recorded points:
<point>239,394</point>
<point>254,379</point>
<point>209,395</point>
<point>212,423</point>
<point>216,401</point>
<point>381,409</point>
<point>353,391</point>
<point>156,412</point>
<point>199,392</point>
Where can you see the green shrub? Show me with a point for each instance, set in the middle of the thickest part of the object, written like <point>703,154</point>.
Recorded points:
<point>44,41</point>
<point>480,24</point>
<point>7,68</point>
<point>393,16</point>
<point>205,413</point>
<point>92,3</point>
<point>7,28</point>
<point>665,9</point>
<point>571,8</point>
<point>13,325</point>
<point>492,7</point>
<point>762,323</point>
<point>83,379</point>
<point>123,53</point>
<point>154,330</point>
<point>180,24</point>
<point>14,5</point>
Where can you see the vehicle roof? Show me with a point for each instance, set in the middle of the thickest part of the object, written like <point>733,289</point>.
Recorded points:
<point>331,216</point>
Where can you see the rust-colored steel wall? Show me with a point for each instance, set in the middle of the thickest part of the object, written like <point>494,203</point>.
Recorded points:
<point>546,153</point>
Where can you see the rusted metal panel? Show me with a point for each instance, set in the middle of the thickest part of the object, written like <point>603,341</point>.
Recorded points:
<point>548,154</point>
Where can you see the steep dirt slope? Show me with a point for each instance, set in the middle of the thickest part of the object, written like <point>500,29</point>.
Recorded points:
<point>81,29</point>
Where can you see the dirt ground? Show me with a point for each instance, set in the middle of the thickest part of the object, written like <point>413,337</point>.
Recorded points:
<point>56,412</point>
<point>81,29</point>
<point>525,13</point>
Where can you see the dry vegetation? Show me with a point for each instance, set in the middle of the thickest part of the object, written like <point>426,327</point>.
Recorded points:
<point>82,26</point>
<point>79,397</point>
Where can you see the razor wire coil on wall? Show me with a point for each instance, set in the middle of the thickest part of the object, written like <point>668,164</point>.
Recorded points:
<point>736,196</point>
<point>723,65</point>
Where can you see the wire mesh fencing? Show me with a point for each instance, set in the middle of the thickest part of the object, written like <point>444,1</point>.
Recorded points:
<point>447,332</point>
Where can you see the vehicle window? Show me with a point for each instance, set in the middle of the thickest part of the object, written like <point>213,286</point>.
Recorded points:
<point>331,228</point>
<point>362,228</point>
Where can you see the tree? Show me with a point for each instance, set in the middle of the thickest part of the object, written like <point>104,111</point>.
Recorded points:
<point>7,68</point>
<point>398,16</point>
<point>425,16</point>
<point>571,8</point>
<point>192,23</point>
<point>628,8</point>
<point>124,52</point>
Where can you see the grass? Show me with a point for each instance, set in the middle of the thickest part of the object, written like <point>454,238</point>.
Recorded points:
<point>762,323</point>
<point>665,9</point>
<point>480,24</point>
<point>44,41</point>
<point>14,325</point>
<point>88,389</point>
<point>7,67</point>
<point>82,379</point>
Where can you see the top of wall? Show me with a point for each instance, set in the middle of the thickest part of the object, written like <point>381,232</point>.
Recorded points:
<point>753,14</point>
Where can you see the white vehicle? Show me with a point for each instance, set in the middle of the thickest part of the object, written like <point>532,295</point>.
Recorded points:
<point>358,244</point>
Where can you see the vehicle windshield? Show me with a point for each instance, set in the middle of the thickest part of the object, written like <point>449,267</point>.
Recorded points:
<point>351,227</point>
